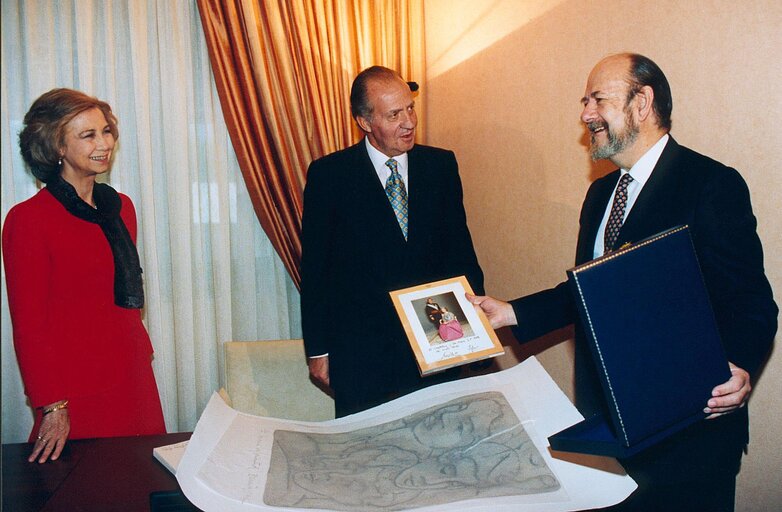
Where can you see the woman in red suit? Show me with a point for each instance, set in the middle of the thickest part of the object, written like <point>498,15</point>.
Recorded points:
<point>74,283</point>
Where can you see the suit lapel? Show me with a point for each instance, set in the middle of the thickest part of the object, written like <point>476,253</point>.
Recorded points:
<point>415,181</point>
<point>642,221</point>
<point>381,214</point>
<point>645,217</point>
<point>592,214</point>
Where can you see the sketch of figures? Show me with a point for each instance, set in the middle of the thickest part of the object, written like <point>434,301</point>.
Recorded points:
<point>470,447</point>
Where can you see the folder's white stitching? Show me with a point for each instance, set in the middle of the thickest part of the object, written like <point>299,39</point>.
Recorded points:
<point>633,247</point>
<point>600,354</point>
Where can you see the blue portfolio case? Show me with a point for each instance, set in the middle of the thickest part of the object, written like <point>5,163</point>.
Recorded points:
<point>654,339</point>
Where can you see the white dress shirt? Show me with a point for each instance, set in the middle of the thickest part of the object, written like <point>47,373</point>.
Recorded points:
<point>383,172</point>
<point>640,172</point>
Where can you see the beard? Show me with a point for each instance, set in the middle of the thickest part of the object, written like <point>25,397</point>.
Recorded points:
<point>617,141</point>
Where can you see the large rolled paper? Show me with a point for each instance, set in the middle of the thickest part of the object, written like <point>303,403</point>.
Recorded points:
<point>473,444</point>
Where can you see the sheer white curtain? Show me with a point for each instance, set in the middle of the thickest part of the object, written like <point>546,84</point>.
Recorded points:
<point>210,272</point>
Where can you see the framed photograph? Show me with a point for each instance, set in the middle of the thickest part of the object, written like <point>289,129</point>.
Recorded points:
<point>443,328</point>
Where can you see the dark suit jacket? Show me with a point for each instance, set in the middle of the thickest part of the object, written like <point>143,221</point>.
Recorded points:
<point>684,188</point>
<point>354,253</point>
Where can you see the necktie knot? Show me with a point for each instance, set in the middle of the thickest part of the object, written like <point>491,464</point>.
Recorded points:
<point>624,181</point>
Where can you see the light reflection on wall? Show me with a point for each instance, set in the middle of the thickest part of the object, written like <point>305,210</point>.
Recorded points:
<point>471,26</point>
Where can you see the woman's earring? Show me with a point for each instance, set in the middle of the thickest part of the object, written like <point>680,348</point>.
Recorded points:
<point>59,162</point>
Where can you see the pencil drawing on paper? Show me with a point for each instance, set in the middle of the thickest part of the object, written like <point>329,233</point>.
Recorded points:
<point>470,447</point>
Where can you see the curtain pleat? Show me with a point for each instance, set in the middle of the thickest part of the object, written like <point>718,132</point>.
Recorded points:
<point>283,70</point>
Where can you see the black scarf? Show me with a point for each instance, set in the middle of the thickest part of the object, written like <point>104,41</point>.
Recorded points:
<point>128,289</point>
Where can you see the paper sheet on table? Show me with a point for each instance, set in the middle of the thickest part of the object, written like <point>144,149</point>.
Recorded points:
<point>170,455</point>
<point>479,444</point>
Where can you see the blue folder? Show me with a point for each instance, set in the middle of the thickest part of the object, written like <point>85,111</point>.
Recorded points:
<point>651,330</point>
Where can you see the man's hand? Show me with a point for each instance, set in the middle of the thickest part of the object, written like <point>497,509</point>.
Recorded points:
<point>319,369</point>
<point>731,395</point>
<point>499,313</point>
<point>52,435</point>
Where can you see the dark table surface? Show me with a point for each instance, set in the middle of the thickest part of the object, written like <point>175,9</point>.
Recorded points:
<point>100,475</point>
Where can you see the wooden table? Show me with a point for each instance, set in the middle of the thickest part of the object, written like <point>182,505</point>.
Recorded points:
<point>92,475</point>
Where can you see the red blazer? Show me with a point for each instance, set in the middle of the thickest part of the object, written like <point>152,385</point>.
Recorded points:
<point>70,337</point>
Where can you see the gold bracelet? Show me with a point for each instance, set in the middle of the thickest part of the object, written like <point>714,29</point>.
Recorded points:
<point>56,407</point>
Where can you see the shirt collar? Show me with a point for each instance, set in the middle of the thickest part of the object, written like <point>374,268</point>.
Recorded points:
<point>379,160</point>
<point>645,165</point>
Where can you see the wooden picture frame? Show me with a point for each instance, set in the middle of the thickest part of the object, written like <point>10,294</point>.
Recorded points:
<point>443,328</point>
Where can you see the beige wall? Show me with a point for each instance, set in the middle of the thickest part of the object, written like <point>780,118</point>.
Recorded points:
<point>503,86</point>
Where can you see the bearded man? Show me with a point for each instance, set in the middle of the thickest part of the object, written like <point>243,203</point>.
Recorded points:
<point>659,185</point>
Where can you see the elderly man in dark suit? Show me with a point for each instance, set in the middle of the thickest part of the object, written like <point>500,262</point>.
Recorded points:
<point>368,230</point>
<point>660,184</point>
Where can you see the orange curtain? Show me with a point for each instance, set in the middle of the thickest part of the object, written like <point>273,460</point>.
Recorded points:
<point>283,70</point>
